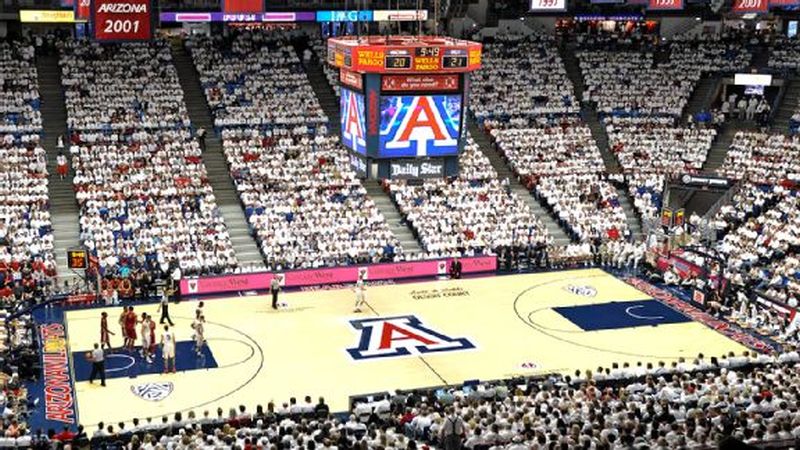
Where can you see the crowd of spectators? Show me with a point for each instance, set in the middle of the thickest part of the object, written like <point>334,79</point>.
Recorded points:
<point>19,89</point>
<point>762,157</point>
<point>255,80</point>
<point>121,86</point>
<point>303,200</point>
<point>521,77</point>
<point>139,179</point>
<point>472,213</point>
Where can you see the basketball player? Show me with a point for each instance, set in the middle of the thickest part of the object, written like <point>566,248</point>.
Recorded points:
<point>105,339</point>
<point>199,334</point>
<point>145,331</point>
<point>361,293</point>
<point>130,327</point>
<point>152,325</point>
<point>168,349</point>
<point>199,310</point>
<point>123,332</point>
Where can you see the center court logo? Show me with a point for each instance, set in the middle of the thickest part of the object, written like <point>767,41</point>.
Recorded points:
<point>153,392</point>
<point>386,337</point>
<point>581,290</point>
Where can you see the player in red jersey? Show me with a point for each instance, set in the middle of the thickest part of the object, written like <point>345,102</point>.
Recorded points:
<point>152,335</point>
<point>121,322</point>
<point>130,327</point>
<point>105,339</point>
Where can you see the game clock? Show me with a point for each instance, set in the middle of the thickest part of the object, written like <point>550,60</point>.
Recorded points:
<point>425,52</point>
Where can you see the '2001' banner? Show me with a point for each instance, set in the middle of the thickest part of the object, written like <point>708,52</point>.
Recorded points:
<point>122,20</point>
<point>750,6</point>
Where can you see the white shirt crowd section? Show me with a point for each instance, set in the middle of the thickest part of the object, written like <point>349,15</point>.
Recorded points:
<point>255,80</point>
<point>785,54</point>
<point>146,201</point>
<point>708,56</point>
<point>472,213</point>
<point>143,190</point>
<point>521,77</point>
<point>630,82</point>
<point>762,157</point>
<point>547,149</point>
<point>121,86</point>
<point>303,200</point>
<point>19,89</point>
<point>587,203</point>
<point>766,236</point>
<point>563,163</point>
<point>25,227</point>
<point>648,147</point>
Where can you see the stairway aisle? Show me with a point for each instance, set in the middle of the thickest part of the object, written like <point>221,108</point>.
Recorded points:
<point>632,215</point>
<point>244,244</point>
<point>64,211</point>
<point>719,149</point>
<point>503,171</point>
<point>392,216</point>
<point>701,97</point>
<point>789,103</point>
<point>325,93</point>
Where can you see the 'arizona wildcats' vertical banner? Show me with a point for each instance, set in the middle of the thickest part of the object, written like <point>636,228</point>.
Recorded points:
<point>351,107</point>
<point>419,125</point>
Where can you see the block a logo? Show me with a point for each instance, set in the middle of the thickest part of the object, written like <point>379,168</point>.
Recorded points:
<point>386,337</point>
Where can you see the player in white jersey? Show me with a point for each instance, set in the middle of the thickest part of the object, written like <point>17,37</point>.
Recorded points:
<point>168,349</point>
<point>145,333</point>
<point>199,326</point>
<point>361,293</point>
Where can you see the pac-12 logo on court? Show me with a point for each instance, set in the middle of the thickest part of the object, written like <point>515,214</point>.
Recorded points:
<point>583,291</point>
<point>154,392</point>
<point>385,337</point>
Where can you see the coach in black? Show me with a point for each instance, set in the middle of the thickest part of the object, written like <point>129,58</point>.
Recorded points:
<point>455,269</point>
<point>274,289</point>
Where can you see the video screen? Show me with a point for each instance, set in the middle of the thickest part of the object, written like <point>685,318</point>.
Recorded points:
<point>351,107</point>
<point>419,125</point>
<point>754,90</point>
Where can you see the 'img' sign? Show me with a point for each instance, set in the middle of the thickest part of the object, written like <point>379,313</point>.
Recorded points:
<point>417,169</point>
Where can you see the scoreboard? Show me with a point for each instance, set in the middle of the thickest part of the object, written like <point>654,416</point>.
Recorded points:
<point>122,20</point>
<point>403,102</point>
<point>394,55</point>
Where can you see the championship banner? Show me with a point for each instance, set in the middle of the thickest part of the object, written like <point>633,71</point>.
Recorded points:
<point>750,6</point>
<point>665,5</point>
<point>83,9</point>
<point>242,6</point>
<point>666,217</point>
<point>680,216</point>
<point>122,20</point>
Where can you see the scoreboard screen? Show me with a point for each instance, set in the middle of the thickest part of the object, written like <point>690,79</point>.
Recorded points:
<point>353,118</point>
<point>122,20</point>
<point>419,125</point>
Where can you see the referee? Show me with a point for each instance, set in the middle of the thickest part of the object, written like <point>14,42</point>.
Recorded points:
<point>98,359</point>
<point>274,288</point>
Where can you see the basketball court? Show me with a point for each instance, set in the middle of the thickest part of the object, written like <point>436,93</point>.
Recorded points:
<point>411,336</point>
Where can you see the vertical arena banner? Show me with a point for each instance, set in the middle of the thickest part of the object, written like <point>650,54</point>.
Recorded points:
<point>83,9</point>
<point>122,20</point>
<point>353,121</point>
<point>665,5</point>
<point>750,6</point>
<point>59,397</point>
<point>419,125</point>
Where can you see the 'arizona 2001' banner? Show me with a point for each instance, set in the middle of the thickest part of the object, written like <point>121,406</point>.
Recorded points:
<point>122,20</point>
<point>750,6</point>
